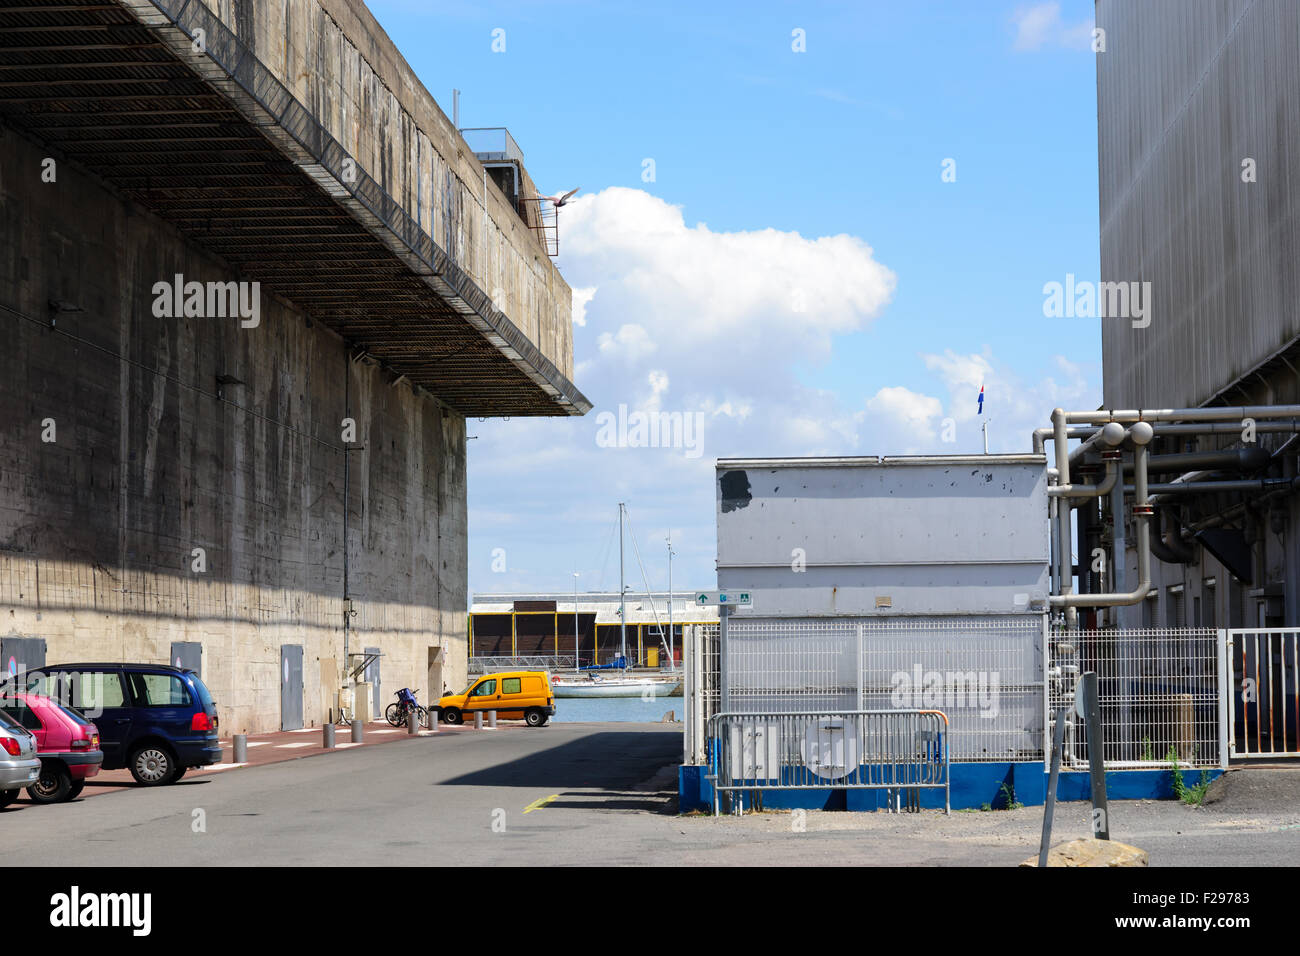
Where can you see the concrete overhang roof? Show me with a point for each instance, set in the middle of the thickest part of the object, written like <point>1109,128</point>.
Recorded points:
<point>213,143</point>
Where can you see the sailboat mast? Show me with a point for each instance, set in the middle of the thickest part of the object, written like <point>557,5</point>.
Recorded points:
<point>672,658</point>
<point>622,591</point>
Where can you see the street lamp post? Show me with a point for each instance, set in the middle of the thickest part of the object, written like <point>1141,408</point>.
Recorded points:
<point>575,622</point>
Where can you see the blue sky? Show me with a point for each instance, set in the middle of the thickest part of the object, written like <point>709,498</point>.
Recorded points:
<point>816,173</point>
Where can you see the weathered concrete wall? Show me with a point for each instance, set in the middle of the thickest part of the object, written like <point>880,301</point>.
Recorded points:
<point>97,527</point>
<point>336,59</point>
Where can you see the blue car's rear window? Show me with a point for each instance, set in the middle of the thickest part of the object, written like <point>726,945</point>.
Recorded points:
<point>205,695</point>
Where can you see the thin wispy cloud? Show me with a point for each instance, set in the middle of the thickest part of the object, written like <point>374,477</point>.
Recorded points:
<point>1042,26</point>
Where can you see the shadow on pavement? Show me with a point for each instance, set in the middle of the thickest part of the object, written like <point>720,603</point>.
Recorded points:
<point>617,800</point>
<point>604,761</point>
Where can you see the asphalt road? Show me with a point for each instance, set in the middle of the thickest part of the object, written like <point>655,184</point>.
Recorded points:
<point>570,794</point>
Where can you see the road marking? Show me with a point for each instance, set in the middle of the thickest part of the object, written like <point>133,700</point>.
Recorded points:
<point>291,746</point>
<point>258,743</point>
<point>386,731</point>
<point>538,804</point>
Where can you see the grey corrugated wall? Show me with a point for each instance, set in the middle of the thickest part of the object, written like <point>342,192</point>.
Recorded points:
<point>1186,90</point>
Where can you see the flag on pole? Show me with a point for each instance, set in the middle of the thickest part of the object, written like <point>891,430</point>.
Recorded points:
<point>981,410</point>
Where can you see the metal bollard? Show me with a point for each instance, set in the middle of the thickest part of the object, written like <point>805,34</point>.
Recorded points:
<point>358,731</point>
<point>492,719</point>
<point>327,732</point>
<point>412,723</point>
<point>478,720</point>
<point>241,749</point>
<point>433,721</point>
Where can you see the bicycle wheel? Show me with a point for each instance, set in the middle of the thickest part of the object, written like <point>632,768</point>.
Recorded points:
<point>394,715</point>
<point>422,716</point>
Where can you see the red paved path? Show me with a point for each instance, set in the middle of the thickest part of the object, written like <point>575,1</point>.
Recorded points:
<point>284,745</point>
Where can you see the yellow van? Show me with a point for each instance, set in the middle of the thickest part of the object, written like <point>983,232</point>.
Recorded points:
<point>514,695</point>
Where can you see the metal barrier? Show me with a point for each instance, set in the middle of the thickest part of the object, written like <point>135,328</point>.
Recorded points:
<point>1264,714</point>
<point>528,662</point>
<point>899,751</point>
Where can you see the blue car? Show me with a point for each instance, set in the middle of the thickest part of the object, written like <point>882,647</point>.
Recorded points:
<point>154,719</point>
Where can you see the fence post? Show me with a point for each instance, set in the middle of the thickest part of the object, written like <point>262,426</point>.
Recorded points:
<point>1096,755</point>
<point>1227,712</point>
<point>1049,805</point>
<point>724,684</point>
<point>688,730</point>
<point>861,650</point>
<point>1047,694</point>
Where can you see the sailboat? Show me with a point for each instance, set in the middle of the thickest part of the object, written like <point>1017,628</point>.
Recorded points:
<point>592,684</point>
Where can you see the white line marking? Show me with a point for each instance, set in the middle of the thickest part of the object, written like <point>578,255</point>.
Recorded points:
<point>291,746</point>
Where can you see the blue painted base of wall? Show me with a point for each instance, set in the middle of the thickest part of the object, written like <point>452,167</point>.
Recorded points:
<point>974,786</point>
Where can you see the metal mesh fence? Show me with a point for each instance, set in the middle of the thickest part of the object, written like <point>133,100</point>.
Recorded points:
<point>1160,688</point>
<point>985,674</point>
<point>1159,693</point>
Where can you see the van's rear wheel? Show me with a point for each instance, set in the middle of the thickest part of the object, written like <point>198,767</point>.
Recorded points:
<point>451,715</point>
<point>534,717</point>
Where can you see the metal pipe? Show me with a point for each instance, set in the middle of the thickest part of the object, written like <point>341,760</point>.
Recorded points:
<point>1053,551</point>
<point>1119,546</point>
<point>1064,557</point>
<point>1167,546</point>
<point>1112,435</point>
<point>1209,487</point>
<point>1041,435</point>
<point>1235,459</point>
<point>1103,487</point>
<point>1141,434</point>
<point>1217,414</point>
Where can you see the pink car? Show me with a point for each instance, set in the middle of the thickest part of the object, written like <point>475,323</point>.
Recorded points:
<point>66,742</point>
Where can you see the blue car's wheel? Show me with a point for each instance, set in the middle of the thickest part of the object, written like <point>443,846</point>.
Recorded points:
<point>151,765</point>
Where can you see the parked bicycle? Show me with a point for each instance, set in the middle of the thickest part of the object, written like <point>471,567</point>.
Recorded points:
<point>406,704</point>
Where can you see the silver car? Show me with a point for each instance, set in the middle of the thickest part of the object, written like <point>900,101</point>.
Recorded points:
<point>19,765</point>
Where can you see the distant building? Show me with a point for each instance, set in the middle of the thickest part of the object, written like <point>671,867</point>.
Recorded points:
<point>542,625</point>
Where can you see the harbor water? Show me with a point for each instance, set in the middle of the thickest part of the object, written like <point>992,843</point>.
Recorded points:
<point>590,709</point>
